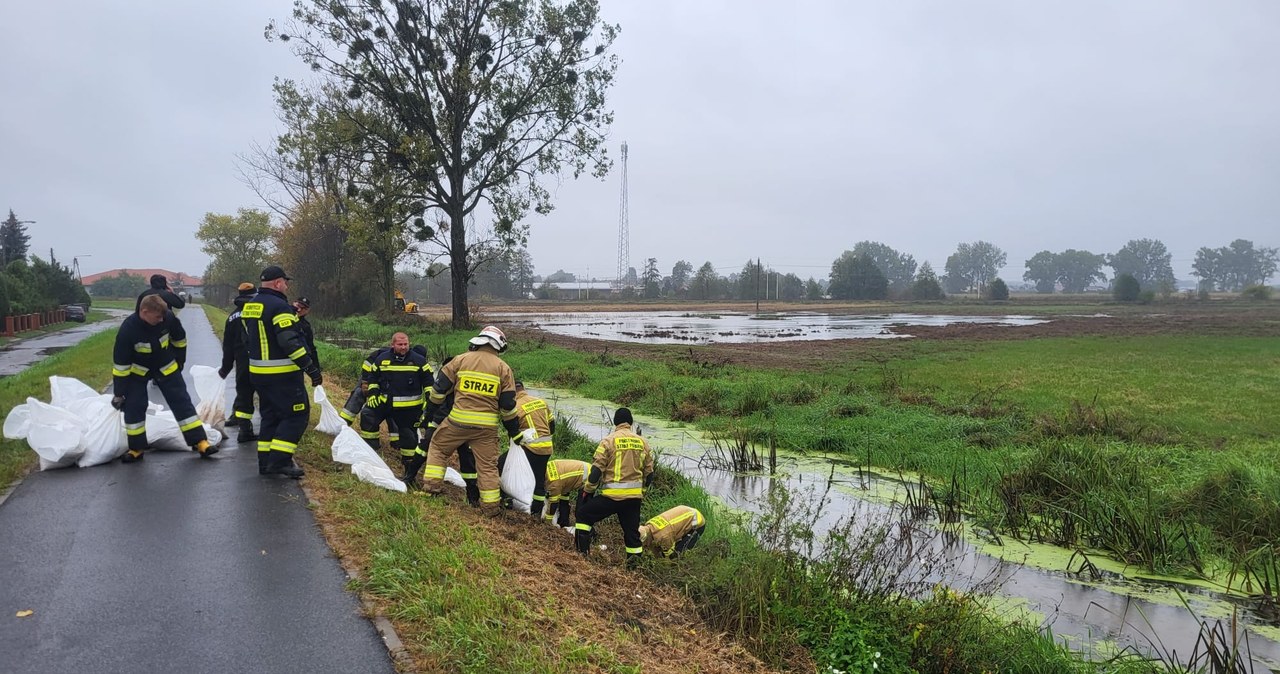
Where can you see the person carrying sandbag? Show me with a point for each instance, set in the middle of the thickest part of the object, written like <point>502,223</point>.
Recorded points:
<point>151,345</point>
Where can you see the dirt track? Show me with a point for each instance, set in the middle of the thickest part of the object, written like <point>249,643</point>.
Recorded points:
<point>1261,320</point>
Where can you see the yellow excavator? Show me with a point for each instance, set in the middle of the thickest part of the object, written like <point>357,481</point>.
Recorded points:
<point>404,305</point>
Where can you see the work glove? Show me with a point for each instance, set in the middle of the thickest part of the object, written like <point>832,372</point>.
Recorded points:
<point>374,401</point>
<point>118,403</point>
<point>316,377</point>
<point>427,431</point>
<point>223,372</point>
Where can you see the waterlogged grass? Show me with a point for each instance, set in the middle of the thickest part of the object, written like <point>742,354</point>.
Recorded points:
<point>89,361</point>
<point>1107,443</point>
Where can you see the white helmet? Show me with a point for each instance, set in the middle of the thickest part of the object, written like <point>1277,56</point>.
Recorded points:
<point>492,336</point>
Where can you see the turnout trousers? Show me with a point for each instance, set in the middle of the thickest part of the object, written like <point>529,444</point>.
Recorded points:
<point>285,413</point>
<point>351,411</point>
<point>404,420</point>
<point>243,405</point>
<point>484,447</point>
<point>174,390</point>
<point>595,509</point>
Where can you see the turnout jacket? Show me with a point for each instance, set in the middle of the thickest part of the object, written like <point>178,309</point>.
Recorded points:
<point>664,531</point>
<point>564,476</point>
<point>271,335</point>
<point>399,380</point>
<point>147,351</point>
<point>483,388</point>
<point>233,338</point>
<point>622,466</point>
<point>533,413</point>
<point>171,298</point>
<point>308,338</point>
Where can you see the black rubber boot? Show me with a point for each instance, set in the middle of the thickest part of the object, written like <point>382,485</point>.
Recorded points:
<point>582,542</point>
<point>131,456</point>
<point>264,461</point>
<point>473,492</point>
<point>246,431</point>
<point>205,449</point>
<point>281,463</point>
<point>411,467</point>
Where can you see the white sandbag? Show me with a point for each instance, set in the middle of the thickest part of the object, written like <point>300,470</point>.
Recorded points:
<point>64,390</point>
<point>214,435</point>
<point>89,409</point>
<point>211,394</point>
<point>18,422</point>
<point>350,448</point>
<point>330,423</point>
<point>517,478</point>
<point>454,478</point>
<point>54,435</point>
<point>105,440</point>
<point>163,433</point>
<point>379,475</point>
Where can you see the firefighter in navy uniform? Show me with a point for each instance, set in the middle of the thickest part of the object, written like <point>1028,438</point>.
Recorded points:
<point>159,285</point>
<point>151,345</point>
<point>235,354</point>
<point>355,401</point>
<point>395,380</point>
<point>277,359</point>
<point>620,470</point>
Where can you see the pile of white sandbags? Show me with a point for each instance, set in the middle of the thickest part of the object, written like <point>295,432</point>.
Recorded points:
<point>79,427</point>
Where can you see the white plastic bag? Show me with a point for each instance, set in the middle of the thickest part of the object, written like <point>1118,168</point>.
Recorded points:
<point>330,423</point>
<point>517,478</point>
<point>454,478</point>
<point>54,435</point>
<point>164,434</point>
<point>64,390</point>
<point>211,392</point>
<point>18,422</point>
<point>105,440</point>
<point>379,475</point>
<point>350,448</point>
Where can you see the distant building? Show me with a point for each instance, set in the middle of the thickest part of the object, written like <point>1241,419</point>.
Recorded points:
<point>180,282</point>
<point>577,290</point>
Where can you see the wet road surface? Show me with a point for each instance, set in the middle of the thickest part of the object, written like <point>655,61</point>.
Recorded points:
<point>174,564</point>
<point>20,356</point>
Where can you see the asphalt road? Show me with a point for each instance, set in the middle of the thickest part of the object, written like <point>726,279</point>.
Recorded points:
<point>174,564</point>
<point>18,357</point>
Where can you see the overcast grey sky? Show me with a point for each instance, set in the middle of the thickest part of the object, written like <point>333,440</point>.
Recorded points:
<point>753,131</point>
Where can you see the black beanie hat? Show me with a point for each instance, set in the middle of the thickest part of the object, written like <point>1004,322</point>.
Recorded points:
<point>622,416</point>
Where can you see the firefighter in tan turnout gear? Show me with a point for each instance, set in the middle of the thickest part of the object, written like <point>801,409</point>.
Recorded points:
<point>674,531</point>
<point>484,398</point>
<point>564,477</point>
<point>537,426</point>
<point>621,469</point>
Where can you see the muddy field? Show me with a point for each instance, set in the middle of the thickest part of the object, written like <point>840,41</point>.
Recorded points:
<point>1237,319</point>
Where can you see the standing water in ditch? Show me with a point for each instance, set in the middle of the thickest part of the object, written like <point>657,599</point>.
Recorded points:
<point>1103,612</point>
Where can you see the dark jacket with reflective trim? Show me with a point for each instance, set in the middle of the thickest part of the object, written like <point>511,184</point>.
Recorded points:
<point>308,338</point>
<point>233,346</point>
<point>622,465</point>
<point>271,337</point>
<point>169,296</point>
<point>395,376</point>
<point>144,350</point>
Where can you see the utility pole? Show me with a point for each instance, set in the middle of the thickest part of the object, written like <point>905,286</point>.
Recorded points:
<point>624,224</point>
<point>757,285</point>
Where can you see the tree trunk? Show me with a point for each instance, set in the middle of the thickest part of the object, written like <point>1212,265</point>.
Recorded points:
<point>388,283</point>
<point>461,271</point>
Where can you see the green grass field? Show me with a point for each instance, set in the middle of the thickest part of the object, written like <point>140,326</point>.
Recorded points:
<point>1158,450</point>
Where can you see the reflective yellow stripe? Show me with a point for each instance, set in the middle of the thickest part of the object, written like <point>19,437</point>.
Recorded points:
<point>243,415</point>
<point>170,368</point>
<point>283,320</point>
<point>433,472</point>
<point>634,551</point>
<point>118,371</point>
<point>264,445</point>
<point>366,366</point>
<point>369,435</point>
<point>283,446</point>
<point>262,339</point>
<point>180,344</point>
<point>406,401</point>
<point>490,495</point>
<point>274,369</point>
<point>298,354</point>
<point>540,445</point>
<point>139,369</point>
<point>142,347</point>
<point>136,429</point>
<point>626,493</point>
<point>401,368</point>
<point>473,418</point>
<point>582,527</point>
<point>437,398</point>
<point>469,476</point>
<point>408,452</point>
<point>346,416</point>
<point>188,424</point>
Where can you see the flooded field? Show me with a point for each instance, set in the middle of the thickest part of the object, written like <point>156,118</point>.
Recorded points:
<point>1106,609</point>
<point>729,328</point>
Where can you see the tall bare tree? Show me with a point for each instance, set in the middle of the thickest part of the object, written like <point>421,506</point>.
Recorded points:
<point>489,97</point>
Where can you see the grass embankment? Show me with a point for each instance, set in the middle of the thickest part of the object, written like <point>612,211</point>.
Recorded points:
<point>217,319</point>
<point>793,615</point>
<point>1157,450</point>
<point>471,594</point>
<point>115,303</point>
<point>89,361</point>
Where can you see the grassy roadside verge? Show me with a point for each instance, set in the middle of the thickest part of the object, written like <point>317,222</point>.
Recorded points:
<point>1158,451</point>
<point>93,316</point>
<point>472,594</point>
<point>217,319</point>
<point>89,361</point>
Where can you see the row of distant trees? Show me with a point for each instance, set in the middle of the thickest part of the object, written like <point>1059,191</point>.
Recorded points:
<point>31,284</point>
